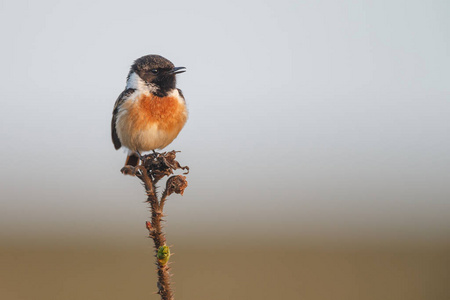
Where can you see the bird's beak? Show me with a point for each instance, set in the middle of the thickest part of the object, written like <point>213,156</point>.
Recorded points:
<point>177,70</point>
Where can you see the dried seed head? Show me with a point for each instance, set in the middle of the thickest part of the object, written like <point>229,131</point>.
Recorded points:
<point>176,184</point>
<point>163,164</point>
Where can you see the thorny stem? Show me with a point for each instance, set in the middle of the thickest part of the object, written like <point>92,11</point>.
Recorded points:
<point>163,200</point>
<point>154,167</point>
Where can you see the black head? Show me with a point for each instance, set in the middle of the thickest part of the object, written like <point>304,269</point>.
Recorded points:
<point>157,72</point>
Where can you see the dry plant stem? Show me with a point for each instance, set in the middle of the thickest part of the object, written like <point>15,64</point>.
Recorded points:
<point>156,232</point>
<point>158,237</point>
<point>153,168</point>
<point>163,199</point>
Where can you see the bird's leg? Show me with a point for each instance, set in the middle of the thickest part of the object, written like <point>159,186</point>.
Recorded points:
<point>155,154</point>
<point>140,156</point>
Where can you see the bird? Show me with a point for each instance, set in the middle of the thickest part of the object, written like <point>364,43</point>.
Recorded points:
<point>151,111</point>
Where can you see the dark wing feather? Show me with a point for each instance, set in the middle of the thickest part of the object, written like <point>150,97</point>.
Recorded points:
<point>122,97</point>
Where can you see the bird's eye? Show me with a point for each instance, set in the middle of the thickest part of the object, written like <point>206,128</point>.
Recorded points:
<point>154,71</point>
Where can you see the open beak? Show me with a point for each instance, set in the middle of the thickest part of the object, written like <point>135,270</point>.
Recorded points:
<point>177,70</point>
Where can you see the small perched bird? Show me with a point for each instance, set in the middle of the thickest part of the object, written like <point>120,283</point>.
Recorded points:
<point>150,113</point>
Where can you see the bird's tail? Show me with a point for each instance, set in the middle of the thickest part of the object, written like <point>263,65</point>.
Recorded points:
<point>132,160</point>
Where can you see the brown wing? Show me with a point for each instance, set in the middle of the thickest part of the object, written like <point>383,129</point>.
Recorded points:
<point>122,97</point>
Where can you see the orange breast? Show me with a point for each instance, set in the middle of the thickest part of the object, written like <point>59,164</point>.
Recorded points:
<point>150,122</point>
<point>165,112</point>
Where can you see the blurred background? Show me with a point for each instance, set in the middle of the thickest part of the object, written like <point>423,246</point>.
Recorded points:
<point>318,142</point>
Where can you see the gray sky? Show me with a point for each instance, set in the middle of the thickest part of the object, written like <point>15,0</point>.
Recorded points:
<point>326,118</point>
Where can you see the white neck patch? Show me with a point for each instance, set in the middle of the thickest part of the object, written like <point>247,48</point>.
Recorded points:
<point>136,82</point>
